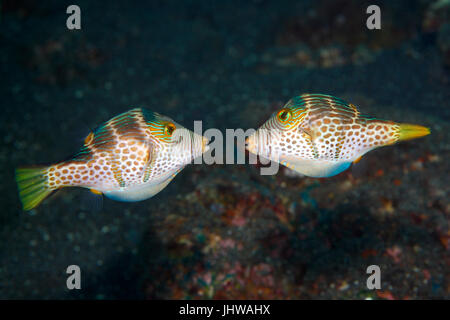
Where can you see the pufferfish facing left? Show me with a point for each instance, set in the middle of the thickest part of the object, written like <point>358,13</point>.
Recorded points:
<point>319,135</point>
<point>131,157</point>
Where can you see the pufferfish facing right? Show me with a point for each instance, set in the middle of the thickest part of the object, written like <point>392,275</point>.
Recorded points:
<point>131,157</point>
<point>319,135</point>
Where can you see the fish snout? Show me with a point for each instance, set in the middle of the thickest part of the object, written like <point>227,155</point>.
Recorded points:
<point>261,142</point>
<point>199,145</point>
<point>191,144</point>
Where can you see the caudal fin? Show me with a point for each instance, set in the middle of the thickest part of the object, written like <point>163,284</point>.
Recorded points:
<point>32,184</point>
<point>412,131</point>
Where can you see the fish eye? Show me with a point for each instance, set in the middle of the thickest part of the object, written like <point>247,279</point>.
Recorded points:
<point>169,128</point>
<point>284,115</point>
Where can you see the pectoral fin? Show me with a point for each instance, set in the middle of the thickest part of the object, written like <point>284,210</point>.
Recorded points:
<point>150,160</point>
<point>309,135</point>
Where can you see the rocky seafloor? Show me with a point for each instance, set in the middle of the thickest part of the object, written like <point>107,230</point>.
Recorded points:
<point>225,231</point>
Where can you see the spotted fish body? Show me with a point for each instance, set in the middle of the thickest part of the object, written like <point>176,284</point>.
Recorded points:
<point>131,157</point>
<point>320,135</point>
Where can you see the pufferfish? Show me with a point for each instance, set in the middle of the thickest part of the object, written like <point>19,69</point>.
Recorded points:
<point>319,135</point>
<point>131,157</point>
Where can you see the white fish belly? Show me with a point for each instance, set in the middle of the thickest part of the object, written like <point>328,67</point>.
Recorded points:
<point>138,192</point>
<point>318,168</point>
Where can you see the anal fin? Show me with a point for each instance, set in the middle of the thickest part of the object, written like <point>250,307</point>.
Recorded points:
<point>357,160</point>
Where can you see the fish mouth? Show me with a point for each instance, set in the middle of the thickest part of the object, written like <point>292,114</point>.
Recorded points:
<point>205,142</point>
<point>249,145</point>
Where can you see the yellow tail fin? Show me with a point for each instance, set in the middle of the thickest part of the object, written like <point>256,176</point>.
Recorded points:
<point>412,131</point>
<point>32,185</point>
